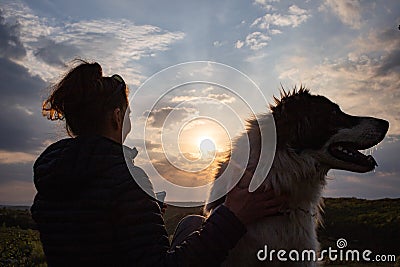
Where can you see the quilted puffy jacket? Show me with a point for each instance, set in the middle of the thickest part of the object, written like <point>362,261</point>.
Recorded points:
<point>91,212</point>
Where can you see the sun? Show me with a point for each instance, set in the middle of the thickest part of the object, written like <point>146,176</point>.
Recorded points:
<point>203,140</point>
<point>207,146</point>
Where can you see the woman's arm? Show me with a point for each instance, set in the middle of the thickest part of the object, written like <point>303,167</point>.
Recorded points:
<point>142,240</point>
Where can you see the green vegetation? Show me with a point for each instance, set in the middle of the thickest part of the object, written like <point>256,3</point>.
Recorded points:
<point>20,247</point>
<point>372,224</point>
<point>365,224</point>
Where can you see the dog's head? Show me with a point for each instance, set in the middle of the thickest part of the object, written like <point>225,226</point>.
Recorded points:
<point>314,125</point>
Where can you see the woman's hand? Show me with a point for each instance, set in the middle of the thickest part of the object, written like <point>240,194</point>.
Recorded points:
<point>249,207</point>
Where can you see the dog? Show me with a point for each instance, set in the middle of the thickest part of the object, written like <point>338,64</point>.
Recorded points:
<point>313,136</point>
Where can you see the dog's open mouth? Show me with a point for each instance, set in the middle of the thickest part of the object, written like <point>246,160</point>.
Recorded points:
<point>348,152</point>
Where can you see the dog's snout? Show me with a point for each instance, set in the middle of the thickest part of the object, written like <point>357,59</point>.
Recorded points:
<point>384,125</point>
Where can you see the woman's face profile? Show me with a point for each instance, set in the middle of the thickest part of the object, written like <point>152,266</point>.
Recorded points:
<point>126,126</point>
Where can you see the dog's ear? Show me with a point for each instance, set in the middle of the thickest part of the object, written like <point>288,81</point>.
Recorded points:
<point>300,120</point>
<point>310,128</point>
<point>305,135</point>
<point>292,131</point>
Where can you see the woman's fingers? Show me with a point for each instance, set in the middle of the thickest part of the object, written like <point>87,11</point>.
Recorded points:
<point>271,211</point>
<point>250,206</point>
<point>264,195</point>
<point>269,204</point>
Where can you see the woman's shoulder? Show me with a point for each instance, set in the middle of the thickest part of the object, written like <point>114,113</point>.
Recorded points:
<point>83,156</point>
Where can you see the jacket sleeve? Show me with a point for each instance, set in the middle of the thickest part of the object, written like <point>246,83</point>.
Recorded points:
<point>142,239</point>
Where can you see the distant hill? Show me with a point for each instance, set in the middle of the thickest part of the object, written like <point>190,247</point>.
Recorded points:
<point>15,207</point>
<point>185,204</point>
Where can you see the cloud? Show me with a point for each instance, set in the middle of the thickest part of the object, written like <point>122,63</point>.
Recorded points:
<point>295,10</point>
<point>363,81</point>
<point>56,54</point>
<point>390,63</point>
<point>22,127</point>
<point>10,43</point>
<point>265,4</point>
<point>366,186</point>
<point>239,44</point>
<point>348,11</point>
<point>16,172</point>
<point>198,97</point>
<point>269,23</point>
<point>352,83</point>
<point>148,144</point>
<point>7,157</point>
<point>134,41</point>
<point>223,98</point>
<point>120,43</point>
<point>23,130</point>
<point>295,17</point>
<point>183,98</point>
<point>152,145</point>
<point>217,43</point>
<point>382,46</point>
<point>257,40</point>
<point>157,117</point>
<point>275,31</point>
<point>17,193</point>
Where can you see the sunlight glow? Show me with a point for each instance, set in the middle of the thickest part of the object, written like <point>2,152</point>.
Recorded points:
<point>203,139</point>
<point>206,147</point>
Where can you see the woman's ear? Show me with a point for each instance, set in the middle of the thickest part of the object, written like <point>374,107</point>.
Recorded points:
<point>117,119</point>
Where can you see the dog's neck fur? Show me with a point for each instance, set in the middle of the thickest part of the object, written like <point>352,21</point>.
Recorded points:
<point>300,178</point>
<point>293,173</point>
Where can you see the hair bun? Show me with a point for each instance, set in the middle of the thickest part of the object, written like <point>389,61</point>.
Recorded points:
<point>73,90</point>
<point>89,73</point>
<point>79,99</point>
<point>95,70</point>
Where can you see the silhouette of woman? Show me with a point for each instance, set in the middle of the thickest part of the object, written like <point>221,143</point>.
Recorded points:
<point>88,208</point>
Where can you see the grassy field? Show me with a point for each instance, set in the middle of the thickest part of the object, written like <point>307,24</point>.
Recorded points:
<point>365,224</point>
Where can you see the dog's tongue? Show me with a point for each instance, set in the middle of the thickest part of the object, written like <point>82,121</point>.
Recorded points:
<point>349,154</point>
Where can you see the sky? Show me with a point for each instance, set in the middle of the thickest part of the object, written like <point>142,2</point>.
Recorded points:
<point>346,50</point>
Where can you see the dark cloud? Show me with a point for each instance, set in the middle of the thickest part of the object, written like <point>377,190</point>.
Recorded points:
<point>387,155</point>
<point>391,63</point>
<point>22,127</point>
<point>157,117</point>
<point>21,172</point>
<point>389,36</point>
<point>10,44</point>
<point>379,185</point>
<point>56,54</point>
<point>17,85</point>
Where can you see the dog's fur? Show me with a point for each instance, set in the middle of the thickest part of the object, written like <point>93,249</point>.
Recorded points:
<point>311,130</point>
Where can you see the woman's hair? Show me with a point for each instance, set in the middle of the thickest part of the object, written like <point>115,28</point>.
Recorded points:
<point>84,98</point>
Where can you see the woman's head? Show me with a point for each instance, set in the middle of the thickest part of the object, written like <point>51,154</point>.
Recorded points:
<point>89,102</point>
